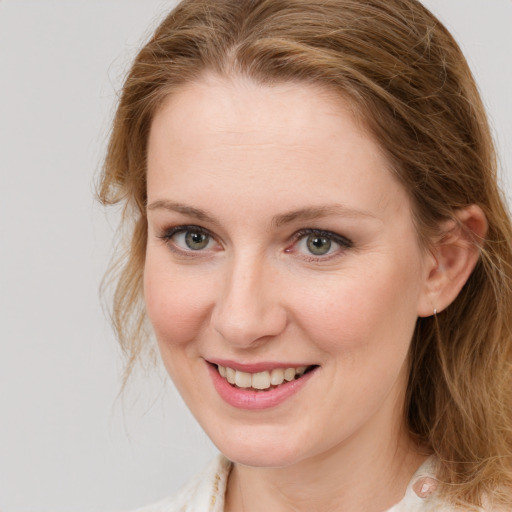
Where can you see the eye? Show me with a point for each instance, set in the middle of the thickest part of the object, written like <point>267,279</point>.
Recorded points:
<point>195,240</point>
<point>320,244</point>
<point>188,238</point>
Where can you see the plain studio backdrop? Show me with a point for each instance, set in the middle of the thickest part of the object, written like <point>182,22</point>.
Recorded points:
<point>66,443</point>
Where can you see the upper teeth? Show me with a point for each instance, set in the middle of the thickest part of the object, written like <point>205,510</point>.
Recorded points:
<point>260,380</point>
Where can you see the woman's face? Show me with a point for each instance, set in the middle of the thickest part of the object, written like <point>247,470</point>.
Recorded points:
<point>280,246</point>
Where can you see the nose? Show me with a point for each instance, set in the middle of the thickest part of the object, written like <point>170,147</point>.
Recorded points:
<point>248,310</point>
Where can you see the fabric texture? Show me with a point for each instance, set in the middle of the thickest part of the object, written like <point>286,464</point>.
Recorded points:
<point>205,492</point>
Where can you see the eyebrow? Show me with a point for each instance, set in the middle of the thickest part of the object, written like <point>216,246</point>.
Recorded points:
<point>318,212</point>
<point>302,214</point>
<point>184,209</point>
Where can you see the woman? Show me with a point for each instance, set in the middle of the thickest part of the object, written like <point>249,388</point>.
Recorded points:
<point>323,252</point>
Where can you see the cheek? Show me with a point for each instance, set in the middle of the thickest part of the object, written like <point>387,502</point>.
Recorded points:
<point>176,304</point>
<point>362,308</point>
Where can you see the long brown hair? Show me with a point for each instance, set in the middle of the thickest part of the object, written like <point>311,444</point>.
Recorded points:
<point>408,80</point>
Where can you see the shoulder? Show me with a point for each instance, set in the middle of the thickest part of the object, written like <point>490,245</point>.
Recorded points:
<point>203,493</point>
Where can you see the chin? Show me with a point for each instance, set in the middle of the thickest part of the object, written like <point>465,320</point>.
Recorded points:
<point>256,457</point>
<point>260,449</point>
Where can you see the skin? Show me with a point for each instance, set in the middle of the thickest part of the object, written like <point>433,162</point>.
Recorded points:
<point>245,154</point>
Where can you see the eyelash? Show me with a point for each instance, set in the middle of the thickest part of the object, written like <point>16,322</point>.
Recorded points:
<point>344,243</point>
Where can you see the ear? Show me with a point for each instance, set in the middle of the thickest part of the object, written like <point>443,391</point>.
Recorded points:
<point>453,257</point>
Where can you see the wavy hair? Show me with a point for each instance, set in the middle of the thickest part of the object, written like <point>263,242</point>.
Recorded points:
<point>409,82</point>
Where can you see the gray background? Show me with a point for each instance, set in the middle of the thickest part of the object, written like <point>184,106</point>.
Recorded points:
<point>67,443</point>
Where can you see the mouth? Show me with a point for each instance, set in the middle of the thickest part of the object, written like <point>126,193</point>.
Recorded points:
<point>262,381</point>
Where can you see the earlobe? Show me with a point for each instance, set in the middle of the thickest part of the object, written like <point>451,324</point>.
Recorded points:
<point>454,255</point>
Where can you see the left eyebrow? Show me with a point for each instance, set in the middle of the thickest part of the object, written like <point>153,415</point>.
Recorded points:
<point>319,212</point>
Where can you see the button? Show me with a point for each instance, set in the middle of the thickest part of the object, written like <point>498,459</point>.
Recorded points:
<point>424,486</point>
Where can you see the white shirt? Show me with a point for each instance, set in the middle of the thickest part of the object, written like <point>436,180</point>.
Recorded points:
<point>205,492</point>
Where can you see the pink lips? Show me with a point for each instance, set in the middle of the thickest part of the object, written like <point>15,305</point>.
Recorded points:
<point>251,399</point>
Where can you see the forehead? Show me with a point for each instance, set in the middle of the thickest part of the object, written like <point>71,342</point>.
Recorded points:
<point>269,143</point>
<point>242,110</point>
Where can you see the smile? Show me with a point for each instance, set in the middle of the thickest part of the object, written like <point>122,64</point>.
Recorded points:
<point>261,385</point>
<point>261,381</point>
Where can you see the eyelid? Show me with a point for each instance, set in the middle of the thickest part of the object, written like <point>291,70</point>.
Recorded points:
<point>339,239</point>
<point>169,232</point>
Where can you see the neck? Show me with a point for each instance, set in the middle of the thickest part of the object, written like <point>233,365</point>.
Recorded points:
<point>342,479</point>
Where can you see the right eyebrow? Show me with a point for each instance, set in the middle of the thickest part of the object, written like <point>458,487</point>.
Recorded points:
<point>172,206</point>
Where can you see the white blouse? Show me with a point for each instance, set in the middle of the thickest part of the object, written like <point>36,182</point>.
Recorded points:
<point>205,492</point>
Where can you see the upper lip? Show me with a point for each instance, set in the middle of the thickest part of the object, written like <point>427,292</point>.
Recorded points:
<point>255,367</point>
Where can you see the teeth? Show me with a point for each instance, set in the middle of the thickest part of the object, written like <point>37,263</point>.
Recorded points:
<point>260,380</point>
<point>277,377</point>
<point>230,375</point>
<point>289,374</point>
<point>243,379</point>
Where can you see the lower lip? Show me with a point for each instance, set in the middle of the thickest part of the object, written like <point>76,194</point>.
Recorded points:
<point>256,400</point>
